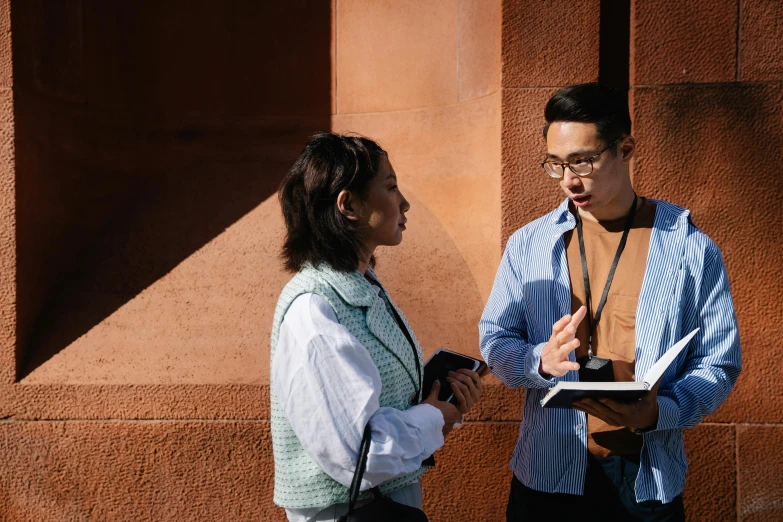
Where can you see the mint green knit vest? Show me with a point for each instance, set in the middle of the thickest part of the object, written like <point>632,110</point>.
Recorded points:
<point>299,482</point>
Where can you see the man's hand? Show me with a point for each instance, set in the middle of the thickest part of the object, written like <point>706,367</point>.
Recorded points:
<point>554,356</point>
<point>467,388</point>
<point>642,414</point>
<point>451,415</point>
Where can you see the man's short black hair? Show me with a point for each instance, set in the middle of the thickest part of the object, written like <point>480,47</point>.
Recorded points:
<point>316,231</point>
<point>602,105</point>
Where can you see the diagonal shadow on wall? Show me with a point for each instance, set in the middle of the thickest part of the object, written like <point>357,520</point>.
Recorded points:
<point>143,131</point>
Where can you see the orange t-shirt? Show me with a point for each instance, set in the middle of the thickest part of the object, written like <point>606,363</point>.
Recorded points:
<point>615,336</point>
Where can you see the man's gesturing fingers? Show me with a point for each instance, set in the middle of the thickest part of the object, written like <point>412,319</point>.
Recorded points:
<point>554,356</point>
<point>578,316</point>
<point>569,366</point>
<point>558,327</point>
<point>567,333</point>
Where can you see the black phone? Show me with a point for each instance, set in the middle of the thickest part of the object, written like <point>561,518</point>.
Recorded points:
<point>438,367</point>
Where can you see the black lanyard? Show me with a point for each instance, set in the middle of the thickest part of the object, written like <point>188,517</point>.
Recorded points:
<point>592,323</point>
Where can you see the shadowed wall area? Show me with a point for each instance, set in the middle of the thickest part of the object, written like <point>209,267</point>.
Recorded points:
<point>144,131</point>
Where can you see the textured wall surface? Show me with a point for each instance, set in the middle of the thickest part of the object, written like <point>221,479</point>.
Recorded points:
<point>428,90</point>
<point>149,144</point>
<point>8,296</point>
<point>159,470</point>
<point>442,135</point>
<point>140,148</point>
<point>682,42</point>
<point>707,104</point>
<point>533,69</point>
<point>151,141</point>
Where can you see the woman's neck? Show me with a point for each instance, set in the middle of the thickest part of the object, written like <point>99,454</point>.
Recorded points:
<point>364,261</point>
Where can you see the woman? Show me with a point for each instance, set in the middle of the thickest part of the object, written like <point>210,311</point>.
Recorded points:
<point>343,354</point>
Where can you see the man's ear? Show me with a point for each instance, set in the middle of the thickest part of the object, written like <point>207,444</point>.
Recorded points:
<point>346,203</point>
<point>627,149</point>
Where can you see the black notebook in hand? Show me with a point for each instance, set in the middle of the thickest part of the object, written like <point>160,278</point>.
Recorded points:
<point>438,367</point>
<point>565,393</point>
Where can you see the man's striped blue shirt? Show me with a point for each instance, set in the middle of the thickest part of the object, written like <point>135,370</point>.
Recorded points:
<point>685,286</point>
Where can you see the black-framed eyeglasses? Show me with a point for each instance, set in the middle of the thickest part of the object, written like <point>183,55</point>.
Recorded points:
<point>580,166</point>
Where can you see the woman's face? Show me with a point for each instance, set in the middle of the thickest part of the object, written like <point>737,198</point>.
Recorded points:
<point>382,213</point>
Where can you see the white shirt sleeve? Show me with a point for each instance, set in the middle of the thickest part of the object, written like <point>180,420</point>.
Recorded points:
<point>329,386</point>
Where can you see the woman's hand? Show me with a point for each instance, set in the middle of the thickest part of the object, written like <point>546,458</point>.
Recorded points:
<point>467,388</point>
<point>451,415</point>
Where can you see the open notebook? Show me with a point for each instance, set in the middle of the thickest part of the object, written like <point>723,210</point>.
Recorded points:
<point>565,393</point>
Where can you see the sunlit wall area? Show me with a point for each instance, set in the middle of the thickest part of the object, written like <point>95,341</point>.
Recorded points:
<point>142,145</point>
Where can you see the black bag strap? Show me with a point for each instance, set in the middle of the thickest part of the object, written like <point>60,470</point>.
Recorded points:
<point>407,334</point>
<point>361,465</point>
<point>403,328</point>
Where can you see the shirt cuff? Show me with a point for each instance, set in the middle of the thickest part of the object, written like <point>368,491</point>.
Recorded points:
<point>430,421</point>
<point>532,364</point>
<point>668,413</point>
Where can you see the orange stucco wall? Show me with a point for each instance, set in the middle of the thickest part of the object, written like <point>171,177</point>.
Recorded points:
<point>142,144</point>
<point>708,106</point>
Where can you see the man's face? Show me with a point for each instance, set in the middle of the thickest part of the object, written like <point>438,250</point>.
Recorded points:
<point>570,141</point>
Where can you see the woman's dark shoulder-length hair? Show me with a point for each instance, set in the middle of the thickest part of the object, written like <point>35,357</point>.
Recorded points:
<point>316,231</point>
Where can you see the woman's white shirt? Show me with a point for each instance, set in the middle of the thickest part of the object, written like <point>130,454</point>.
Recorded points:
<point>328,387</point>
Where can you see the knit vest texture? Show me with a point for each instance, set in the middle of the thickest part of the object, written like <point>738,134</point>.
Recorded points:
<point>299,482</point>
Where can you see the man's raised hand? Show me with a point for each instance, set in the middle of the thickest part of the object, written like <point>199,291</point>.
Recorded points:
<point>554,356</point>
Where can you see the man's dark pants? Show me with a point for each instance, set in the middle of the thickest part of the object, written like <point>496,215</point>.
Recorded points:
<point>609,495</point>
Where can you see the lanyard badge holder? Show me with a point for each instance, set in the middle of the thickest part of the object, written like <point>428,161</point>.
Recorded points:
<point>592,368</point>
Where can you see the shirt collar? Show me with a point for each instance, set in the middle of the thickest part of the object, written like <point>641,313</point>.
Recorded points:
<point>561,214</point>
<point>673,215</point>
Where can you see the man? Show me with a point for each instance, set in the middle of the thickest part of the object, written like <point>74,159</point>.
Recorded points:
<point>598,289</point>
